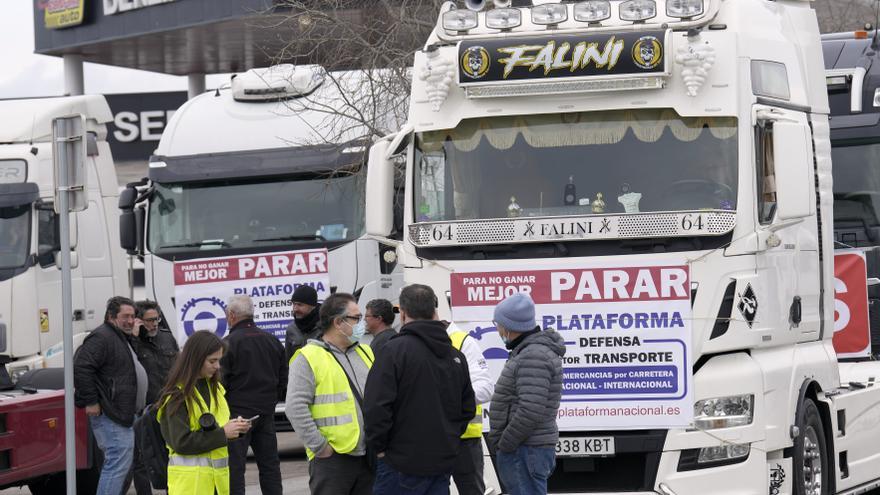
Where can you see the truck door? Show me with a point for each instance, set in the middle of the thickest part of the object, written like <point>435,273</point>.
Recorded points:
<point>789,246</point>
<point>49,276</point>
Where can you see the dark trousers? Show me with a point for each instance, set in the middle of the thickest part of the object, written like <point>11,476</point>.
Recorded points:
<point>468,474</point>
<point>262,439</point>
<point>340,474</point>
<point>138,473</point>
<point>390,481</point>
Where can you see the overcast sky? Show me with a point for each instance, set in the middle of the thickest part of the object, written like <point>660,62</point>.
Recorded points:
<point>25,74</point>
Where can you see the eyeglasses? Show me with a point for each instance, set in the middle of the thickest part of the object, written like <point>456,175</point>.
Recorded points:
<point>353,317</point>
<point>369,316</point>
<point>152,320</point>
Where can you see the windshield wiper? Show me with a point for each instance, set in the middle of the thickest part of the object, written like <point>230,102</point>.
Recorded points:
<point>198,244</point>
<point>312,237</point>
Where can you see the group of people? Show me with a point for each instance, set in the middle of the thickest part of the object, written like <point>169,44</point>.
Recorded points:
<point>403,415</point>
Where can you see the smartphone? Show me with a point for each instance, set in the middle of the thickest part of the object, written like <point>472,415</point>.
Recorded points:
<point>253,418</point>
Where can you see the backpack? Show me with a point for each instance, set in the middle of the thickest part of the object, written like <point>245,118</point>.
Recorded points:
<point>151,443</point>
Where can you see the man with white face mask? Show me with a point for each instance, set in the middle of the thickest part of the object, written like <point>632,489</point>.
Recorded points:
<point>324,400</point>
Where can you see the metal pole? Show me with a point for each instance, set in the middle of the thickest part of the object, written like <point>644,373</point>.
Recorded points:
<point>73,74</point>
<point>67,319</point>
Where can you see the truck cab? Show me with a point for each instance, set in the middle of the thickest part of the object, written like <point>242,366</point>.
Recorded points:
<point>853,79</point>
<point>259,167</point>
<point>30,274</point>
<point>657,176</point>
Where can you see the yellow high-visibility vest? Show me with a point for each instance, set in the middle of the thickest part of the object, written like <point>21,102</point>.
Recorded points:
<point>203,473</point>
<point>334,409</point>
<point>475,427</point>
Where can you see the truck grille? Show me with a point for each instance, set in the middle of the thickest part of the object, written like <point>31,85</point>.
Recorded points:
<point>633,468</point>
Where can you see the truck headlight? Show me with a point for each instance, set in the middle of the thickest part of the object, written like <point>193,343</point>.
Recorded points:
<point>724,412</point>
<point>592,11</point>
<point>503,18</point>
<point>459,20</point>
<point>549,13</point>
<point>638,10</point>
<point>684,8</point>
<point>709,457</point>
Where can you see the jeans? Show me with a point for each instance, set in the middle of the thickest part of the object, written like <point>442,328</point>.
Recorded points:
<point>117,443</point>
<point>264,442</point>
<point>390,481</point>
<point>525,470</point>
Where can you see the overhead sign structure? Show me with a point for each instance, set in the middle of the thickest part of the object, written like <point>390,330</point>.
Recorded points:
<point>62,13</point>
<point>627,335</point>
<point>202,288</point>
<point>852,330</point>
<point>640,53</point>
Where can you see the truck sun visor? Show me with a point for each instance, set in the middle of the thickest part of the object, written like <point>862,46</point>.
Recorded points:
<point>260,163</point>
<point>18,194</point>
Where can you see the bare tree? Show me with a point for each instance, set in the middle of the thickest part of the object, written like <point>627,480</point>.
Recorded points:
<point>367,51</point>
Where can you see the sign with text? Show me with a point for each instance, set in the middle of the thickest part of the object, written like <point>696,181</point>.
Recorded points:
<point>636,53</point>
<point>627,334</point>
<point>852,331</point>
<point>202,288</point>
<point>59,14</point>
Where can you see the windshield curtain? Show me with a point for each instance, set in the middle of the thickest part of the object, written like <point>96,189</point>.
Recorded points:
<point>15,231</point>
<point>856,193</point>
<point>576,164</point>
<point>256,214</point>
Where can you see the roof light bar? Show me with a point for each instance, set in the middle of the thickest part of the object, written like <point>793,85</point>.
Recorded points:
<point>459,20</point>
<point>503,18</point>
<point>549,14</point>
<point>592,11</point>
<point>684,8</point>
<point>637,10</point>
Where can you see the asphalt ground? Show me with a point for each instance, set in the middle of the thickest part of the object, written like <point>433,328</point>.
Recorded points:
<point>294,470</point>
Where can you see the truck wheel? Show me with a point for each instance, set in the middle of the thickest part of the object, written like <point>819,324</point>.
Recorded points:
<point>811,454</point>
<point>48,485</point>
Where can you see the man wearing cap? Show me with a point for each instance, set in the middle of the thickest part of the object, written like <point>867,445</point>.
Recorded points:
<point>522,415</point>
<point>304,326</point>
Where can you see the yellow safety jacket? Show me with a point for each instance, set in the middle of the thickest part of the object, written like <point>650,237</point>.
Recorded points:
<point>334,409</point>
<point>203,473</point>
<point>475,427</point>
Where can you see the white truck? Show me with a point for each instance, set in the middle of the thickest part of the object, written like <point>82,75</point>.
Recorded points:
<point>259,167</point>
<point>30,275</point>
<point>657,175</point>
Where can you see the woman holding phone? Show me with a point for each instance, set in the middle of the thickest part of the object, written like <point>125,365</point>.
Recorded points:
<point>194,419</point>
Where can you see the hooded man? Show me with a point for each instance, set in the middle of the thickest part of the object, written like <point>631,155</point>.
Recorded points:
<point>418,401</point>
<point>522,414</point>
<point>304,326</point>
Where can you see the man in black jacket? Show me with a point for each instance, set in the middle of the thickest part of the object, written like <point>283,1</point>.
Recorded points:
<point>255,377</point>
<point>111,385</point>
<point>304,327</point>
<point>418,401</point>
<point>156,350</point>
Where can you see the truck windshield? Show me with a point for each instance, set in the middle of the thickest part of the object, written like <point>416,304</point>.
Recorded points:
<point>576,164</point>
<point>256,214</point>
<point>856,193</point>
<point>15,229</point>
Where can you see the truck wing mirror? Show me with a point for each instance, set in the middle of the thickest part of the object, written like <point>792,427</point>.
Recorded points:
<point>127,198</point>
<point>380,190</point>
<point>74,259</point>
<point>128,236</point>
<point>795,175</point>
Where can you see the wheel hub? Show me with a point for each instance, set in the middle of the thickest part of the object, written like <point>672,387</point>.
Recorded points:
<point>812,463</point>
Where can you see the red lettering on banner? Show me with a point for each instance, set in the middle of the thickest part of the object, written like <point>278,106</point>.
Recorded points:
<point>251,267</point>
<point>571,286</point>
<point>852,334</point>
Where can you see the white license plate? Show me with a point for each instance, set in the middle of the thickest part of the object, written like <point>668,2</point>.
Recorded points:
<point>585,446</point>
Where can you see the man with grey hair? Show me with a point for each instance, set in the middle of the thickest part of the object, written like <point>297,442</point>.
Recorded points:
<point>255,377</point>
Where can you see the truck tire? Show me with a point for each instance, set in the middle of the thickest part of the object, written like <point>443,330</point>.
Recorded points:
<point>86,479</point>
<point>810,463</point>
